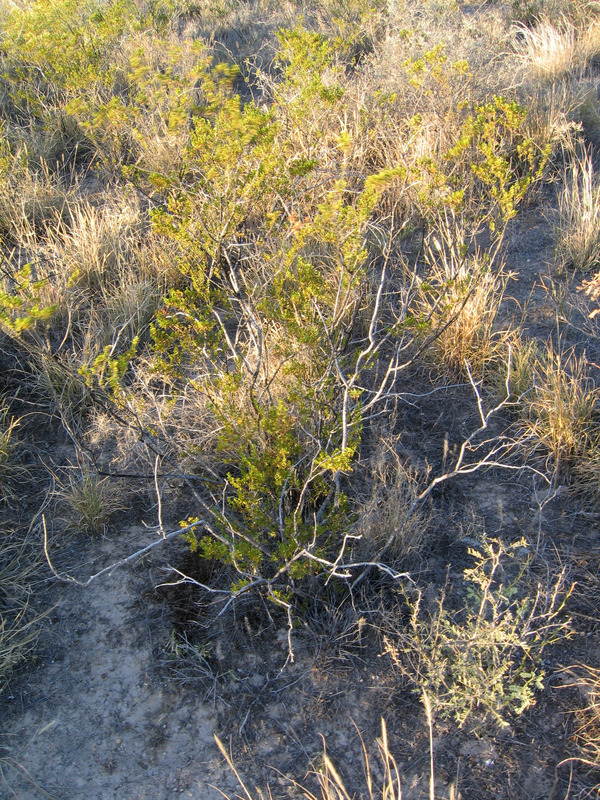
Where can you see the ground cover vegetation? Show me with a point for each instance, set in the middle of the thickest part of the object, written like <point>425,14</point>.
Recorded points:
<point>245,248</point>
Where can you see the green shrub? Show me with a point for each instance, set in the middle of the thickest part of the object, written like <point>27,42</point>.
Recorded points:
<point>284,308</point>
<point>71,44</point>
<point>478,650</point>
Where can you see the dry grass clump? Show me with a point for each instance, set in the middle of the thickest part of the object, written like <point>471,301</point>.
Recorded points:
<point>90,501</point>
<point>578,228</point>
<point>20,568</point>
<point>549,50</point>
<point>104,277</point>
<point>513,377</point>
<point>382,782</point>
<point>561,413</point>
<point>460,304</point>
<point>557,53</point>
<point>111,274</point>
<point>61,386</point>
<point>553,47</point>
<point>586,734</point>
<point>130,307</point>
<point>528,11</point>
<point>395,522</point>
<point>189,412</point>
<point>97,244</point>
<point>116,448</point>
<point>589,42</point>
<point>410,95</point>
<point>419,28</point>
<point>590,288</point>
<point>31,201</point>
<point>586,470</point>
<point>523,355</point>
<point>10,469</point>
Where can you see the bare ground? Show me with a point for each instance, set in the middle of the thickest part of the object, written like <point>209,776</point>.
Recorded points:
<point>93,719</point>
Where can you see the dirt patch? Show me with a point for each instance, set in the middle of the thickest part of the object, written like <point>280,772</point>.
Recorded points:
<point>94,719</point>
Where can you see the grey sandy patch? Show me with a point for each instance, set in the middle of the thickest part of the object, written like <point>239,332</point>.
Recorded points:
<point>93,721</point>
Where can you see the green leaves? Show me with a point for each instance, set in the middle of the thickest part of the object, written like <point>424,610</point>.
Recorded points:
<point>479,651</point>
<point>505,160</point>
<point>305,58</point>
<point>69,42</point>
<point>23,304</point>
<point>338,461</point>
<point>107,369</point>
<point>259,331</point>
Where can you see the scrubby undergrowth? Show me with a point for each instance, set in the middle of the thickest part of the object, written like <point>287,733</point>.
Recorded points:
<point>256,278</point>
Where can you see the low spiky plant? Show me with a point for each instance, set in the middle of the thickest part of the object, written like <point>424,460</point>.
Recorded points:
<point>483,659</point>
<point>90,502</point>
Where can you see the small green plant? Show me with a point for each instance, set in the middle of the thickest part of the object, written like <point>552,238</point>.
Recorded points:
<point>22,302</point>
<point>504,161</point>
<point>478,650</point>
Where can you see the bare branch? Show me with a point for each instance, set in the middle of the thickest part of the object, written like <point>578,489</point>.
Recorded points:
<point>122,562</point>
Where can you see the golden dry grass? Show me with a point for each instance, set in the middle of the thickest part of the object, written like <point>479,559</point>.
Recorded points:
<point>549,50</point>
<point>561,412</point>
<point>578,227</point>
<point>90,502</point>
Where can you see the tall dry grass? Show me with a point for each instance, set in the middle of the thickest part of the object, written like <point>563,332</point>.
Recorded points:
<point>578,228</point>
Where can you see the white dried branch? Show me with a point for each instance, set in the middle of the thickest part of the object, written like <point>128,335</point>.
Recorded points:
<point>137,554</point>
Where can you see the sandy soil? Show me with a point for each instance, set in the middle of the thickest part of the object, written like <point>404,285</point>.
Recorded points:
<point>93,720</point>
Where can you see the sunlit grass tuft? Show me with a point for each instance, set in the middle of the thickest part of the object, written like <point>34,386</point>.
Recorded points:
<point>578,227</point>
<point>90,502</point>
<point>561,413</point>
<point>548,50</point>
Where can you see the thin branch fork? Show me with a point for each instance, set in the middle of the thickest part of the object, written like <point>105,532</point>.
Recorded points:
<point>138,553</point>
<point>498,446</point>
